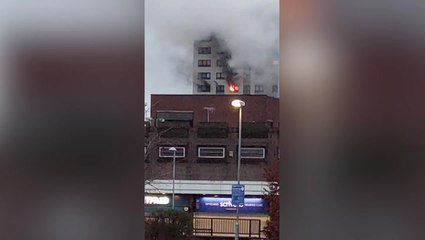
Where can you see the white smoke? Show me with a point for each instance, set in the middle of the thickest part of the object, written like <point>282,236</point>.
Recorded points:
<point>250,29</point>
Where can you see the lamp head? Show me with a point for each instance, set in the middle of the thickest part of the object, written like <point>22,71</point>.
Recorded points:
<point>173,149</point>
<point>238,103</point>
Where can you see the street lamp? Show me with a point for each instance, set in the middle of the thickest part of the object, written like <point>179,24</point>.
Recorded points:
<point>209,110</point>
<point>174,150</point>
<point>238,104</point>
<point>162,120</point>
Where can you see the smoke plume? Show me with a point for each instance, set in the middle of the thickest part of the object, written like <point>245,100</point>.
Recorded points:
<point>250,29</point>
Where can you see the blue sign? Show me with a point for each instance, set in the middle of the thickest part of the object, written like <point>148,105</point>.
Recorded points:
<point>224,205</point>
<point>238,194</point>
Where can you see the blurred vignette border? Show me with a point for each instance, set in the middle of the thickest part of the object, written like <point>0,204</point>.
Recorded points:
<point>72,122</point>
<point>351,111</point>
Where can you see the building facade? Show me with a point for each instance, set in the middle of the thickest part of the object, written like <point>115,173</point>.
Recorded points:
<point>212,74</point>
<point>204,130</point>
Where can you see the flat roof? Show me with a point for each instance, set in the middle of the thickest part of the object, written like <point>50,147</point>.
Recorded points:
<point>214,95</point>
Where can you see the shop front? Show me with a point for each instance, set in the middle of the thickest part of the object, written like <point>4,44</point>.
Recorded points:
<point>164,202</point>
<point>216,216</point>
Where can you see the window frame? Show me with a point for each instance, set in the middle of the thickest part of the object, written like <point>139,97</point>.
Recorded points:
<point>259,88</point>
<point>262,148</point>
<point>204,62</point>
<point>177,156</point>
<point>221,86</point>
<point>247,89</point>
<point>207,88</point>
<point>220,75</point>
<point>208,74</point>
<point>216,157</point>
<point>201,50</point>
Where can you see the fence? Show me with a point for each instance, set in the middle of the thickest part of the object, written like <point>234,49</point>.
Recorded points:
<point>225,227</point>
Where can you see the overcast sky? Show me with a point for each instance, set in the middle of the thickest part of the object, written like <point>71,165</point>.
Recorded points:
<point>170,30</point>
<point>250,28</point>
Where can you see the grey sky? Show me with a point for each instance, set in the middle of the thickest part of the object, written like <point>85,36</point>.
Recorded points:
<point>251,29</point>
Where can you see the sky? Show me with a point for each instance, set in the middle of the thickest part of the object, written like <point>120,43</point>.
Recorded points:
<point>171,27</point>
<point>170,30</point>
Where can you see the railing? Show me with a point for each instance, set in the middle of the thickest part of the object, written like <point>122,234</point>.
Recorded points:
<point>225,227</point>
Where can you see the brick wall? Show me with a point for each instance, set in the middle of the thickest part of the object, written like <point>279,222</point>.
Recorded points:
<point>258,107</point>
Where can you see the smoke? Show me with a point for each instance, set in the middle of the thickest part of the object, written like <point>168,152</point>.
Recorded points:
<point>225,55</point>
<point>250,29</point>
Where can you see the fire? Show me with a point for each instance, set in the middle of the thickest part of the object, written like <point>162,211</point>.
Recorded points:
<point>233,87</point>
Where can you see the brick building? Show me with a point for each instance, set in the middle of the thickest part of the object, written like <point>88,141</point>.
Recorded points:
<point>204,129</point>
<point>196,121</point>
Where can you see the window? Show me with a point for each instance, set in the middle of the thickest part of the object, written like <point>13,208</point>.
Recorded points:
<point>220,75</point>
<point>253,152</point>
<point>220,89</point>
<point>274,88</point>
<point>204,50</point>
<point>204,88</point>
<point>204,63</point>
<point>211,152</point>
<point>259,88</point>
<point>220,63</point>
<point>164,152</point>
<point>204,75</point>
<point>246,89</point>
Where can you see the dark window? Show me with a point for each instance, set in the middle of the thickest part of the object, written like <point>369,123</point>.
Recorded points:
<point>204,63</point>
<point>211,152</point>
<point>259,88</point>
<point>220,63</point>
<point>204,75</point>
<point>204,50</point>
<point>204,88</point>
<point>253,152</point>
<point>246,89</point>
<point>274,88</point>
<point>165,152</point>
<point>220,89</point>
<point>220,75</point>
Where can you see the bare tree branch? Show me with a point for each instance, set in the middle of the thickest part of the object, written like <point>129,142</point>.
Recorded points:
<point>152,140</point>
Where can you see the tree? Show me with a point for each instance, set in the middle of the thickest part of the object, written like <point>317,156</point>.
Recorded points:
<point>168,224</point>
<point>152,138</point>
<point>153,135</point>
<point>272,196</point>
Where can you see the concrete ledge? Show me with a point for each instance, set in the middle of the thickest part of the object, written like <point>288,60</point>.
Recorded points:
<point>204,187</point>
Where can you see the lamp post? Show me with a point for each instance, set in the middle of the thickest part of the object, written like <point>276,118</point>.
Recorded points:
<point>209,110</point>
<point>162,120</point>
<point>174,150</point>
<point>238,104</point>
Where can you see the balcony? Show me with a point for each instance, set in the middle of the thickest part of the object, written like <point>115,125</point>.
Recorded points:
<point>174,129</point>
<point>255,130</point>
<point>213,130</point>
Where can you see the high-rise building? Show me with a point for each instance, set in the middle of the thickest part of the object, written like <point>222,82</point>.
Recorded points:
<point>212,74</point>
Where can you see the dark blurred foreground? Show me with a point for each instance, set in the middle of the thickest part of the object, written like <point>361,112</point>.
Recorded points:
<point>71,125</point>
<point>352,103</point>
